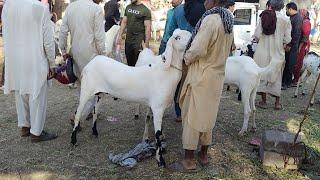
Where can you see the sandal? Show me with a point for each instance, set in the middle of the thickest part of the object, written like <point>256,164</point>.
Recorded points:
<point>180,167</point>
<point>262,105</point>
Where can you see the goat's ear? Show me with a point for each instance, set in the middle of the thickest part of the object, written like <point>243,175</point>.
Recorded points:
<point>168,53</point>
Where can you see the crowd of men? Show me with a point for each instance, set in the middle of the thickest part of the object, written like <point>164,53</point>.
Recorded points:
<point>287,46</point>
<point>29,50</point>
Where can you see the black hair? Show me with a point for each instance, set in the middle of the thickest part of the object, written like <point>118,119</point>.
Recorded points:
<point>229,3</point>
<point>193,11</point>
<point>268,4</point>
<point>292,5</point>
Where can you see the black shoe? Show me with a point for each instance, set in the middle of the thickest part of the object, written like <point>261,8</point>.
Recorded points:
<point>44,136</point>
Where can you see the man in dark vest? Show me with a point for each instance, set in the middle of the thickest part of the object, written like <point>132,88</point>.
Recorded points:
<point>293,46</point>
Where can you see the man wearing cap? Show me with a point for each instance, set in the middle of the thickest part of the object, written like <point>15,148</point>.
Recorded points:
<point>29,50</point>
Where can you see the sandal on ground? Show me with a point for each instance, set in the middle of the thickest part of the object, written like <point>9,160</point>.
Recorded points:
<point>261,105</point>
<point>179,167</point>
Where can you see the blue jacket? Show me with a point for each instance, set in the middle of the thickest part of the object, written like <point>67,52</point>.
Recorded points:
<point>179,21</point>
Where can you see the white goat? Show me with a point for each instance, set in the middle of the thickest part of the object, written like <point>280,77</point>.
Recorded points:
<point>152,84</point>
<point>248,84</point>
<point>311,67</point>
<point>111,36</point>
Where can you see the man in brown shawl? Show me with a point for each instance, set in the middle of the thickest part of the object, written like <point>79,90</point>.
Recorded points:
<point>205,58</point>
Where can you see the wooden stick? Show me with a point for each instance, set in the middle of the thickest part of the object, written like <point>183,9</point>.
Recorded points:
<point>306,110</point>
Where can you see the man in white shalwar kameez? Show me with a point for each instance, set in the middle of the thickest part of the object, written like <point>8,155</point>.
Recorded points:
<point>270,49</point>
<point>84,20</point>
<point>29,50</point>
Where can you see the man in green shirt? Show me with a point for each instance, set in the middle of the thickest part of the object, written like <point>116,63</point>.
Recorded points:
<point>137,20</point>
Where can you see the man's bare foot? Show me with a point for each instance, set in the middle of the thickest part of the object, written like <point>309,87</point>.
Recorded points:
<point>278,106</point>
<point>203,158</point>
<point>262,105</point>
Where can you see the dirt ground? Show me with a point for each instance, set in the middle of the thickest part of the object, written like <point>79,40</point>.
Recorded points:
<point>231,156</point>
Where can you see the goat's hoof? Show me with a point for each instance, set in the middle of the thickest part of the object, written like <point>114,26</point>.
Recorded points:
<point>136,116</point>
<point>237,91</point>
<point>79,128</point>
<point>241,133</point>
<point>303,94</point>
<point>95,133</point>
<point>311,104</point>
<point>115,98</point>
<point>295,96</point>
<point>148,117</point>
<point>162,164</point>
<point>74,138</point>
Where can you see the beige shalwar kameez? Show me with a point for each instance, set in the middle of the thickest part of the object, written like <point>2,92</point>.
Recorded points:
<point>271,48</point>
<point>201,91</point>
<point>29,49</point>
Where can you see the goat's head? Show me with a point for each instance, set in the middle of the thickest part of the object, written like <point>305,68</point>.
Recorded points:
<point>176,47</point>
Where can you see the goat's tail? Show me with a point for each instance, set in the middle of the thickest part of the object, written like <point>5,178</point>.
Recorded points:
<point>270,72</point>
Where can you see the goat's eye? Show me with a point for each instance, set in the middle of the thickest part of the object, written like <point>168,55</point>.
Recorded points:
<point>177,38</point>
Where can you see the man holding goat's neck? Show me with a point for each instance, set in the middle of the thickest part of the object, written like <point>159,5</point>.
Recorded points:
<point>205,57</point>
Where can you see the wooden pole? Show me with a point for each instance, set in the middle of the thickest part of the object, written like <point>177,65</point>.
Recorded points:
<point>306,110</point>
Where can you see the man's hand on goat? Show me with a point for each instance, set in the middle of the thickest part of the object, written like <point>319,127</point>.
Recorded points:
<point>147,45</point>
<point>65,56</point>
<point>287,48</point>
<point>184,69</point>
<point>51,74</point>
<point>187,60</point>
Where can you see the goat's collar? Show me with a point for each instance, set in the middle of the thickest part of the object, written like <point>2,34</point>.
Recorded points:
<point>163,57</point>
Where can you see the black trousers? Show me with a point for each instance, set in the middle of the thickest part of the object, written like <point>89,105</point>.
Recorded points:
<point>291,58</point>
<point>132,51</point>
<point>287,74</point>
